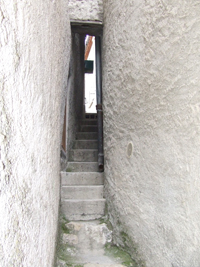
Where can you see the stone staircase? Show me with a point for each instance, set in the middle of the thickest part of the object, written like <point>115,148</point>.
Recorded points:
<point>82,183</point>
<point>85,238</point>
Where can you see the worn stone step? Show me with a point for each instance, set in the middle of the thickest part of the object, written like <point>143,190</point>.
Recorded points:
<point>82,167</point>
<point>85,144</point>
<point>86,136</point>
<point>83,192</point>
<point>84,155</point>
<point>88,122</point>
<point>82,178</point>
<point>82,209</point>
<point>88,128</point>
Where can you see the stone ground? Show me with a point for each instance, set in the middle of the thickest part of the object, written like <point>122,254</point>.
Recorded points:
<point>89,244</point>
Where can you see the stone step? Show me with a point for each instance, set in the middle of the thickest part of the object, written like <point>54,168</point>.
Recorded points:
<point>82,209</point>
<point>86,136</point>
<point>85,144</point>
<point>88,128</point>
<point>88,122</point>
<point>84,155</point>
<point>82,178</point>
<point>91,116</point>
<point>82,192</point>
<point>82,167</point>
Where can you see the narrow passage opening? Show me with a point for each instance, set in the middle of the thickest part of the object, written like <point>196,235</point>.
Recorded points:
<point>84,99</point>
<point>90,75</point>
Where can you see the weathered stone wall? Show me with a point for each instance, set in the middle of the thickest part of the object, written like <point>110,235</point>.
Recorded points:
<point>34,55</point>
<point>151,98</point>
<point>88,10</point>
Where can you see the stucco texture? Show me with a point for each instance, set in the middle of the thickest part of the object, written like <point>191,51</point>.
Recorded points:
<point>34,56</point>
<point>86,10</point>
<point>151,81</point>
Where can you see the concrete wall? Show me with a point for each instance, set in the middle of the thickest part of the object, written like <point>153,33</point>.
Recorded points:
<point>34,55</point>
<point>88,10</point>
<point>151,93</point>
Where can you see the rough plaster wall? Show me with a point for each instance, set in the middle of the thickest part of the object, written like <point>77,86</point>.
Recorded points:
<point>89,10</point>
<point>34,55</point>
<point>152,99</point>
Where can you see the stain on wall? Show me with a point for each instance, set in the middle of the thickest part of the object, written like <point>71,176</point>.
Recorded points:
<point>151,96</point>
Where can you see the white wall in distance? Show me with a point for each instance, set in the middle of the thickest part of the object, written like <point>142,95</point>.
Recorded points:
<point>90,83</point>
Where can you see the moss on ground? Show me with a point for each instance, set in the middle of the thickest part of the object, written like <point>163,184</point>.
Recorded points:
<point>64,228</point>
<point>67,254</point>
<point>131,247</point>
<point>120,255</point>
<point>64,252</point>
